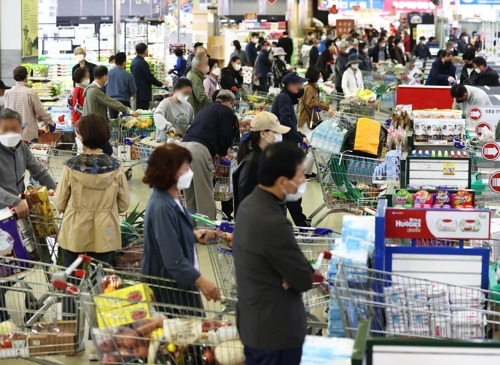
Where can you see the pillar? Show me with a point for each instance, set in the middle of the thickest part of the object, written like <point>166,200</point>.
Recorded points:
<point>10,39</point>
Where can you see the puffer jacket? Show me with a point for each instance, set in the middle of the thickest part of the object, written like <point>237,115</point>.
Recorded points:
<point>91,193</point>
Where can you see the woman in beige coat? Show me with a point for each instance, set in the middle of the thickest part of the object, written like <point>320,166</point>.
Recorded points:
<point>91,193</point>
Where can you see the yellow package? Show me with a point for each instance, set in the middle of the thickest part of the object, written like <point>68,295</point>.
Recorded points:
<point>123,316</point>
<point>367,136</point>
<point>123,297</point>
<point>42,213</point>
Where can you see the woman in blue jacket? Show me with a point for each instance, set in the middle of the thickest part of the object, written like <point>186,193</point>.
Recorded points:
<point>443,72</point>
<point>169,239</point>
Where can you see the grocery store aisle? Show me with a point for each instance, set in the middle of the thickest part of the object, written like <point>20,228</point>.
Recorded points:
<point>139,196</point>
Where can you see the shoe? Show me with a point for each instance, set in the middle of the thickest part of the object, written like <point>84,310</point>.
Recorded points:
<point>312,176</point>
<point>93,353</point>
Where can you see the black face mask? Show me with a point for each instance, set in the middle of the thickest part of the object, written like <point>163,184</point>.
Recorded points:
<point>300,94</point>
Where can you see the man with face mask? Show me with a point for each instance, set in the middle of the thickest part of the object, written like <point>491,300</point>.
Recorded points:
<point>341,65</point>
<point>80,56</point>
<point>121,84</point>
<point>270,267</point>
<point>486,76</point>
<point>379,52</point>
<point>263,67</point>
<point>251,49</point>
<point>196,75</point>
<point>284,108</point>
<point>467,96</point>
<point>443,72</point>
<point>468,76</point>
<point>421,50</point>
<point>174,114</point>
<point>3,87</point>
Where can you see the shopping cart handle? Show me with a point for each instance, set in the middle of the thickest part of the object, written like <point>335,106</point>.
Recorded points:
<point>131,141</point>
<point>322,231</point>
<point>226,227</point>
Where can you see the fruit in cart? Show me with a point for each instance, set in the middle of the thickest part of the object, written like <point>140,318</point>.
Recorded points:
<point>126,337</point>
<point>106,346</point>
<point>146,327</point>
<point>208,356</point>
<point>7,327</point>
<point>111,283</point>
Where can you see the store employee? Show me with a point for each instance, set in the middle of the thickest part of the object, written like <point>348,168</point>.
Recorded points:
<point>467,96</point>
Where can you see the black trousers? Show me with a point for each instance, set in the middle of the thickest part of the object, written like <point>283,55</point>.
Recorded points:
<point>113,114</point>
<point>143,104</point>
<point>295,209</point>
<point>264,86</point>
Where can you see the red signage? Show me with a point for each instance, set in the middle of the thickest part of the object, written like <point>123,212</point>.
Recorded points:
<point>271,1</point>
<point>480,126</point>
<point>409,5</point>
<point>495,182</point>
<point>475,114</point>
<point>490,151</point>
<point>438,223</point>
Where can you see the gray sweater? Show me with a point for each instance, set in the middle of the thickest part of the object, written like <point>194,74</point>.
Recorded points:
<point>13,166</point>
<point>96,101</point>
<point>171,114</point>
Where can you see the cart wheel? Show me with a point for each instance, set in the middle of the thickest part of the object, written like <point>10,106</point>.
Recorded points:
<point>128,174</point>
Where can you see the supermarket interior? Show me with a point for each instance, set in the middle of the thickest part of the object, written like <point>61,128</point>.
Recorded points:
<point>233,182</point>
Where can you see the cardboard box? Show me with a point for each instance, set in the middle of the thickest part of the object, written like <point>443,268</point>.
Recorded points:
<point>63,343</point>
<point>123,297</point>
<point>123,316</point>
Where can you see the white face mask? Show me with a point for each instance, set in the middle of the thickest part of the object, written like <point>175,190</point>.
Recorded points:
<point>183,98</point>
<point>185,179</point>
<point>216,71</point>
<point>282,58</point>
<point>383,45</point>
<point>320,81</point>
<point>301,189</point>
<point>10,139</point>
<point>86,83</point>
<point>255,40</point>
<point>278,137</point>
<point>355,66</point>
<point>80,58</point>
<point>477,70</point>
<point>237,66</point>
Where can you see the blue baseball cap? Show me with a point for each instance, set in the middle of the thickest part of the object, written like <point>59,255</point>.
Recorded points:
<point>293,78</point>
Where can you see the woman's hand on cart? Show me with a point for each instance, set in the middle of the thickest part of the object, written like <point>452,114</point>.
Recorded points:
<point>135,113</point>
<point>208,288</point>
<point>205,235</point>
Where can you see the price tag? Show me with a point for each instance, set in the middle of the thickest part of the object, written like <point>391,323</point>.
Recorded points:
<point>449,168</point>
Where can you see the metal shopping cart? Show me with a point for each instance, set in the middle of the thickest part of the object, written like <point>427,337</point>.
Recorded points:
<point>223,178</point>
<point>53,157</point>
<point>405,306</point>
<point>347,183</point>
<point>137,319</point>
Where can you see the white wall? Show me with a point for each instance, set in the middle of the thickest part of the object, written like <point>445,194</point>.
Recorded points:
<point>10,24</point>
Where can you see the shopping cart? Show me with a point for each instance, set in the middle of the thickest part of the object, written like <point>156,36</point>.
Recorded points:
<point>223,178</point>
<point>136,318</point>
<point>33,322</point>
<point>405,306</point>
<point>347,183</point>
<point>54,157</point>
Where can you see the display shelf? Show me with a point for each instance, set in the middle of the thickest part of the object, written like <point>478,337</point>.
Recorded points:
<point>434,143</point>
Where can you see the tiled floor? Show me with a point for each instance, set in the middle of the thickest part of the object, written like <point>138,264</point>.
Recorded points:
<point>140,194</point>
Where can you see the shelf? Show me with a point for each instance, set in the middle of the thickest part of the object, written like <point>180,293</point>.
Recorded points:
<point>34,78</point>
<point>437,144</point>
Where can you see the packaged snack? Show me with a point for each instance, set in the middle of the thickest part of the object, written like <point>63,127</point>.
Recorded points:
<point>462,199</point>
<point>442,199</point>
<point>422,199</point>
<point>419,130</point>
<point>402,199</point>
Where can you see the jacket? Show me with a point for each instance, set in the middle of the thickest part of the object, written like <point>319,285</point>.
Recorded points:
<point>78,98</point>
<point>375,52</point>
<point>340,68</point>
<point>143,78</point>
<point>283,108</point>
<point>287,44</point>
<point>352,80</point>
<point>313,56</point>
<point>97,102</point>
<point>246,176</point>
<point>440,72</point>
<point>421,51</point>
<point>210,84</point>
<point>198,98</point>
<point>308,102</point>
<point>365,64</point>
<point>461,46</point>
<point>229,80</point>
<point>91,193</point>
<point>266,252</point>
<point>169,250</point>
<point>279,71</point>
<point>263,65</point>
<point>251,51</point>
<point>180,66</point>
<point>475,96</point>
<point>397,55</point>
<point>324,63</point>
<point>466,78</point>
<point>487,78</point>
<point>242,55</point>
<point>13,166</point>
<point>89,66</point>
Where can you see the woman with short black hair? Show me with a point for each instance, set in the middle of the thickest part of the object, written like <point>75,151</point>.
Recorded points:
<point>241,54</point>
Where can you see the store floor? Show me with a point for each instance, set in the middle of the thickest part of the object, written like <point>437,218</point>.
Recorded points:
<point>139,195</point>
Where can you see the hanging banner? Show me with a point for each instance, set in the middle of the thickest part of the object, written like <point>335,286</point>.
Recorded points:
<point>479,2</point>
<point>29,24</point>
<point>409,5</point>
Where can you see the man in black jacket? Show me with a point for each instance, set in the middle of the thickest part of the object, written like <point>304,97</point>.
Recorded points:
<point>283,108</point>
<point>421,50</point>
<point>314,53</point>
<point>80,56</point>
<point>211,133</point>
<point>325,60</point>
<point>468,76</point>
<point>271,271</point>
<point>341,65</point>
<point>251,49</point>
<point>143,77</point>
<point>287,44</point>
<point>486,75</point>
<point>263,67</point>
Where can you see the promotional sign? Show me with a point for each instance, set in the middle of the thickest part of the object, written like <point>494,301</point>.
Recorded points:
<point>408,5</point>
<point>483,116</point>
<point>250,17</point>
<point>491,151</point>
<point>29,25</point>
<point>438,223</point>
<point>495,182</point>
<point>479,2</point>
<point>347,5</point>
<point>344,26</point>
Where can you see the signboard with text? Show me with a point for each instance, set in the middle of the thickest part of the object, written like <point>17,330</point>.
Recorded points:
<point>409,5</point>
<point>344,26</point>
<point>479,2</point>
<point>483,117</point>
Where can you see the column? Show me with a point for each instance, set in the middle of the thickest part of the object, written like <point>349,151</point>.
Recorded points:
<point>10,38</point>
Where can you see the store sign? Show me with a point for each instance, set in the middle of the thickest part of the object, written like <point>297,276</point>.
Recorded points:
<point>495,182</point>
<point>479,2</point>
<point>491,151</point>
<point>344,26</point>
<point>250,17</point>
<point>416,5</point>
<point>29,25</point>
<point>484,117</point>
<point>438,223</point>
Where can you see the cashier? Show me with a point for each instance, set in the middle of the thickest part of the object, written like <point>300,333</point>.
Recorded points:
<point>467,96</point>
<point>443,72</point>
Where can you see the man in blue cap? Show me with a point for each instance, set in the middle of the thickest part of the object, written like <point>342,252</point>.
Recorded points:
<point>284,108</point>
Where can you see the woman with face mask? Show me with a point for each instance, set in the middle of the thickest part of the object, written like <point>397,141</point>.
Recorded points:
<point>81,78</point>
<point>352,80</point>
<point>231,77</point>
<point>265,130</point>
<point>365,64</point>
<point>211,82</point>
<point>278,68</point>
<point>169,238</point>
<point>238,52</point>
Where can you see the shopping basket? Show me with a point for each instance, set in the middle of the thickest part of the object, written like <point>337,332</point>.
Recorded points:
<point>136,318</point>
<point>405,306</point>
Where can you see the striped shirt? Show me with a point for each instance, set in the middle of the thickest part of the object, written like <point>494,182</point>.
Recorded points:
<point>26,102</point>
